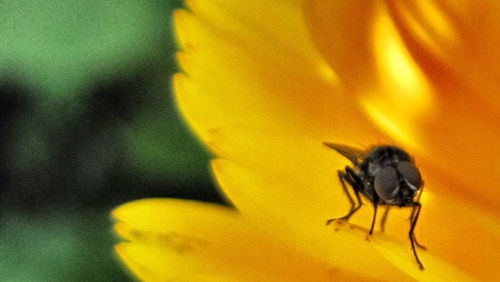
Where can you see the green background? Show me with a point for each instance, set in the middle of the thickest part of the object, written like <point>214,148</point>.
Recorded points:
<point>87,122</point>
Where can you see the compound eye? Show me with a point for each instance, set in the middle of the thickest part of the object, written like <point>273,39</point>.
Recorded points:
<point>386,183</point>
<point>410,173</point>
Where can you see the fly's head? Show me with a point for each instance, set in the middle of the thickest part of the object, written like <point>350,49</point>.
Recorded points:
<point>398,184</point>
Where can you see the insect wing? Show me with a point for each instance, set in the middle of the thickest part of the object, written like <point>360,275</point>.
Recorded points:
<point>351,153</point>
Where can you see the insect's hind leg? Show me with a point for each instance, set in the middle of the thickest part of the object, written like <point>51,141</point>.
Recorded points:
<point>345,177</point>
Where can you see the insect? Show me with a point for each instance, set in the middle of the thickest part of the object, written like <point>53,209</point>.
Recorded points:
<point>387,176</point>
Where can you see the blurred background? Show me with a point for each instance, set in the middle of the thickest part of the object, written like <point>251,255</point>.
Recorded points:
<point>87,122</point>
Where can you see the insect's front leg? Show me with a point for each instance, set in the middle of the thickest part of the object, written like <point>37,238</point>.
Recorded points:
<point>417,207</point>
<point>414,238</point>
<point>374,215</point>
<point>384,218</point>
<point>413,215</point>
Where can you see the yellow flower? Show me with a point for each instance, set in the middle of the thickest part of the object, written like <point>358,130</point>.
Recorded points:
<point>265,83</point>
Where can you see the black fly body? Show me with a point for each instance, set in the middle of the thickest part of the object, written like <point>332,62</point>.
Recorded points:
<point>387,176</point>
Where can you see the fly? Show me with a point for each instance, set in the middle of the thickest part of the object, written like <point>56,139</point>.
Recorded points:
<point>387,176</point>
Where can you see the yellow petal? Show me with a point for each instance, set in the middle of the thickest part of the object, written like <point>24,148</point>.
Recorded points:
<point>455,42</point>
<point>435,269</point>
<point>154,263</point>
<point>172,238</point>
<point>151,263</point>
<point>461,135</point>
<point>275,105</point>
<point>199,240</point>
<point>259,85</point>
<point>252,191</point>
<point>370,57</point>
<point>464,227</point>
<point>274,202</point>
<point>342,32</point>
<point>431,84</point>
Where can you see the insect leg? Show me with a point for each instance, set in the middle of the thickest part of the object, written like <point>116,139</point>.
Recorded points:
<point>342,175</point>
<point>346,178</point>
<point>359,185</point>
<point>414,238</point>
<point>411,219</point>
<point>384,218</point>
<point>374,217</point>
<point>417,206</point>
<point>355,183</point>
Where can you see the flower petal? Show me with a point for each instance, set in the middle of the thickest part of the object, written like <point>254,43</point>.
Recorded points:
<point>228,68</point>
<point>171,238</point>
<point>273,145</point>
<point>435,268</point>
<point>421,79</point>
<point>341,31</point>
<point>463,228</point>
<point>253,191</point>
<point>457,47</point>
<point>455,42</point>
<point>371,59</point>
<point>277,202</point>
